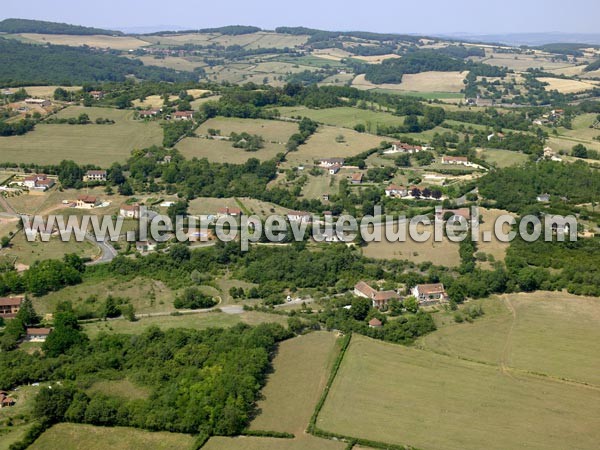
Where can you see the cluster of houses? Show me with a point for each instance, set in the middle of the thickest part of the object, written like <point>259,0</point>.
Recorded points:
<point>550,118</point>
<point>426,294</point>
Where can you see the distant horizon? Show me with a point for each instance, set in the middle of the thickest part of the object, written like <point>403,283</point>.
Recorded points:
<point>438,17</point>
<point>508,38</point>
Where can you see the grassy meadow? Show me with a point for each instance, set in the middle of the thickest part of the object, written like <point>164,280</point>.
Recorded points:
<point>551,333</point>
<point>69,436</point>
<point>90,144</point>
<point>405,396</point>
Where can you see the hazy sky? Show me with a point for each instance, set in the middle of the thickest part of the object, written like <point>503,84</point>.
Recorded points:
<point>398,16</point>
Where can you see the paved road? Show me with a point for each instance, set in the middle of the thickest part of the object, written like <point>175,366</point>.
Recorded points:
<point>108,251</point>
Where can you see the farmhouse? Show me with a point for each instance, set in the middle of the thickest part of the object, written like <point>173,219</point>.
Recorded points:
<point>429,294</point>
<point>36,334</point>
<point>334,169</point>
<point>457,160</point>
<point>402,147</point>
<point>38,102</point>
<point>6,400</point>
<point>329,162</point>
<point>95,175</point>
<point>299,216</point>
<point>149,113</point>
<point>357,178</point>
<point>375,323</point>
<point>227,211</point>
<point>9,306</point>
<point>145,246</point>
<point>38,182</point>
<point>130,211</point>
<point>97,95</point>
<point>183,115</point>
<point>396,191</point>
<point>86,202</point>
<point>379,299</point>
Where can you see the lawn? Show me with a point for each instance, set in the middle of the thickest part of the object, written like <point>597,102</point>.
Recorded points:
<point>553,333</point>
<point>69,436</point>
<point>395,394</point>
<point>344,116</point>
<point>323,144</point>
<point>443,82</point>
<point>197,321</point>
<point>315,187</point>
<point>89,144</point>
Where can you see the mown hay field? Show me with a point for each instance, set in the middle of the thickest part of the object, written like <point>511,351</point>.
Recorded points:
<point>552,333</point>
<point>70,436</point>
<point>406,396</point>
<point>89,144</point>
<point>565,86</point>
<point>101,41</point>
<point>344,116</point>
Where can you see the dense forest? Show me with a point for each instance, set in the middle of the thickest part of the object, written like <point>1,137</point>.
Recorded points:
<point>200,382</point>
<point>26,64</point>
<point>43,27</point>
<point>516,188</point>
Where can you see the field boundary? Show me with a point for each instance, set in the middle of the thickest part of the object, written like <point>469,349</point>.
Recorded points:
<point>350,440</point>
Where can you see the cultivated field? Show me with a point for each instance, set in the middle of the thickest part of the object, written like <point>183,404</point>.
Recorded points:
<point>443,253</point>
<point>567,86</point>
<point>451,82</point>
<point>395,394</point>
<point>553,333</point>
<point>101,41</point>
<point>302,366</point>
<point>323,144</point>
<point>69,436</point>
<point>172,62</point>
<point>91,144</point>
<point>307,442</point>
<point>317,186</point>
<point>521,63</point>
<point>345,116</point>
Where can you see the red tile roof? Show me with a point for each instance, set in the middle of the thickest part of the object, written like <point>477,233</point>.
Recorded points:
<point>11,301</point>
